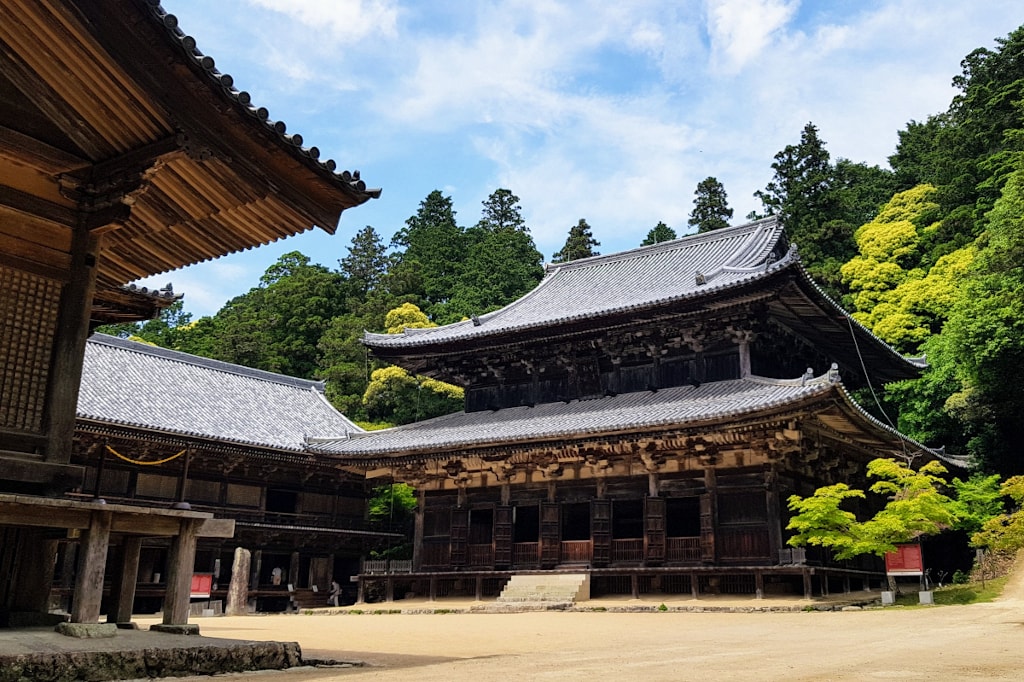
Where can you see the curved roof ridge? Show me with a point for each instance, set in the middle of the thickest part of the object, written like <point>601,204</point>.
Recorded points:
<point>670,245</point>
<point>206,363</point>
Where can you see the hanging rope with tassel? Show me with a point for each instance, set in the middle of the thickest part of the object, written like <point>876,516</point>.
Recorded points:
<point>141,463</point>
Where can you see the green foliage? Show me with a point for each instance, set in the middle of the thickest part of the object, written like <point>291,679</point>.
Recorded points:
<point>659,233</point>
<point>820,203</point>
<point>978,499</point>
<point>1005,532</point>
<point>392,504</point>
<point>915,507</point>
<point>818,520</point>
<point>406,316</point>
<point>399,397</point>
<point>579,244</point>
<point>366,263</point>
<point>710,206</point>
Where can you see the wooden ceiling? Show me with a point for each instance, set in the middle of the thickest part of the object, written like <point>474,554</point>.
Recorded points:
<point>112,121</point>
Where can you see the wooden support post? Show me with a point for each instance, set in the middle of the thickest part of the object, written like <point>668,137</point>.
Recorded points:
<point>257,566</point>
<point>180,565</point>
<point>846,584</point>
<point>506,493</point>
<point>694,586</point>
<point>293,570</point>
<point>122,590</point>
<point>771,492</point>
<point>69,346</point>
<point>433,588</point>
<point>389,589</point>
<point>652,484</point>
<point>823,579</point>
<point>91,567</point>
<point>479,588</point>
<point>808,590</point>
<point>361,591</point>
<point>759,585</point>
<point>552,492</point>
<point>634,586</point>
<point>417,531</point>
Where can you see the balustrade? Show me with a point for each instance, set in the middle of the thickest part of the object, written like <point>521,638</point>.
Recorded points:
<point>686,549</point>
<point>628,550</point>
<point>576,551</point>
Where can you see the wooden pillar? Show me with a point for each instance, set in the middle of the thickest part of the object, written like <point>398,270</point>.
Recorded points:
<point>552,491</point>
<point>122,589</point>
<point>694,586</point>
<point>506,493</point>
<point>65,374</point>
<point>92,564</point>
<point>293,570</point>
<point>708,520</point>
<point>808,590</point>
<point>180,565</point>
<point>361,591</point>
<point>759,585</point>
<point>389,589</point>
<point>479,588</point>
<point>634,586</point>
<point>433,588</point>
<point>846,584</point>
<point>771,491</point>
<point>256,566</point>
<point>417,531</point>
<point>652,484</point>
<point>67,573</point>
<point>238,588</point>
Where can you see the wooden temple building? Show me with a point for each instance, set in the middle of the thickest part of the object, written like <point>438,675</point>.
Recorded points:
<point>158,427</point>
<point>641,417</point>
<point>124,153</point>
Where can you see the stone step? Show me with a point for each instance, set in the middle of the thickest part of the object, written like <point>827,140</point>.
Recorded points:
<point>553,588</point>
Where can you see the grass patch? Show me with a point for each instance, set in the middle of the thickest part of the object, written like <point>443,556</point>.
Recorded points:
<point>950,595</point>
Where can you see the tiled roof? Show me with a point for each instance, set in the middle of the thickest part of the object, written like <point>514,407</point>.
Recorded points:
<point>684,268</point>
<point>125,383</point>
<point>310,156</point>
<point>682,406</point>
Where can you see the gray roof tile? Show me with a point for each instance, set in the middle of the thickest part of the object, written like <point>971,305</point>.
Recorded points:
<point>623,281</point>
<point>681,406</point>
<point>126,383</point>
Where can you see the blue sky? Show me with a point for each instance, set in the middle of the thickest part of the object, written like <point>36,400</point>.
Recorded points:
<point>609,111</point>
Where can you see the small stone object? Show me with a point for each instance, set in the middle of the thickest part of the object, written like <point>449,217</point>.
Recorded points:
<point>87,630</point>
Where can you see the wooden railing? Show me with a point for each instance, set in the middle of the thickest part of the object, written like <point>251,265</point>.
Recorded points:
<point>381,566</point>
<point>628,550</point>
<point>480,556</point>
<point>576,551</point>
<point>525,554</point>
<point>682,549</point>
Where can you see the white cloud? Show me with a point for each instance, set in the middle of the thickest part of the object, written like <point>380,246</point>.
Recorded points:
<point>740,30</point>
<point>346,20</point>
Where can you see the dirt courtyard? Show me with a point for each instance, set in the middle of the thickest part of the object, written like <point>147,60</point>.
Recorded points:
<point>977,642</point>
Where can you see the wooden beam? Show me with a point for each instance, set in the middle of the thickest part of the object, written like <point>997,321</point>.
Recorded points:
<point>26,149</point>
<point>22,202</point>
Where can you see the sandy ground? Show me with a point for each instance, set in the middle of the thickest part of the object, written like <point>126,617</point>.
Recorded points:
<point>977,642</point>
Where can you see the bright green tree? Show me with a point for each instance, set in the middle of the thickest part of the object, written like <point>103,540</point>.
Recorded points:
<point>915,507</point>
<point>710,206</point>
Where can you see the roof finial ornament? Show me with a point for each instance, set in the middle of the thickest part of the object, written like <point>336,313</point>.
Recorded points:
<point>701,279</point>
<point>808,375</point>
<point>476,320</point>
<point>833,373</point>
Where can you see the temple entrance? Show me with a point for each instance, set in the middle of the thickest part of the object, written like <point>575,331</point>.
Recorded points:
<point>480,552</point>
<point>575,529</point>
<point>526,536</point>
<point>682,527</point>
<point>627,531</point>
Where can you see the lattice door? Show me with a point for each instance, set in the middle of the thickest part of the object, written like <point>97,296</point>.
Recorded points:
<point>550,534</point>
<point>654,529</point>
<point>502,537</point>
<point>459,535</point>
<point>601,531</point>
